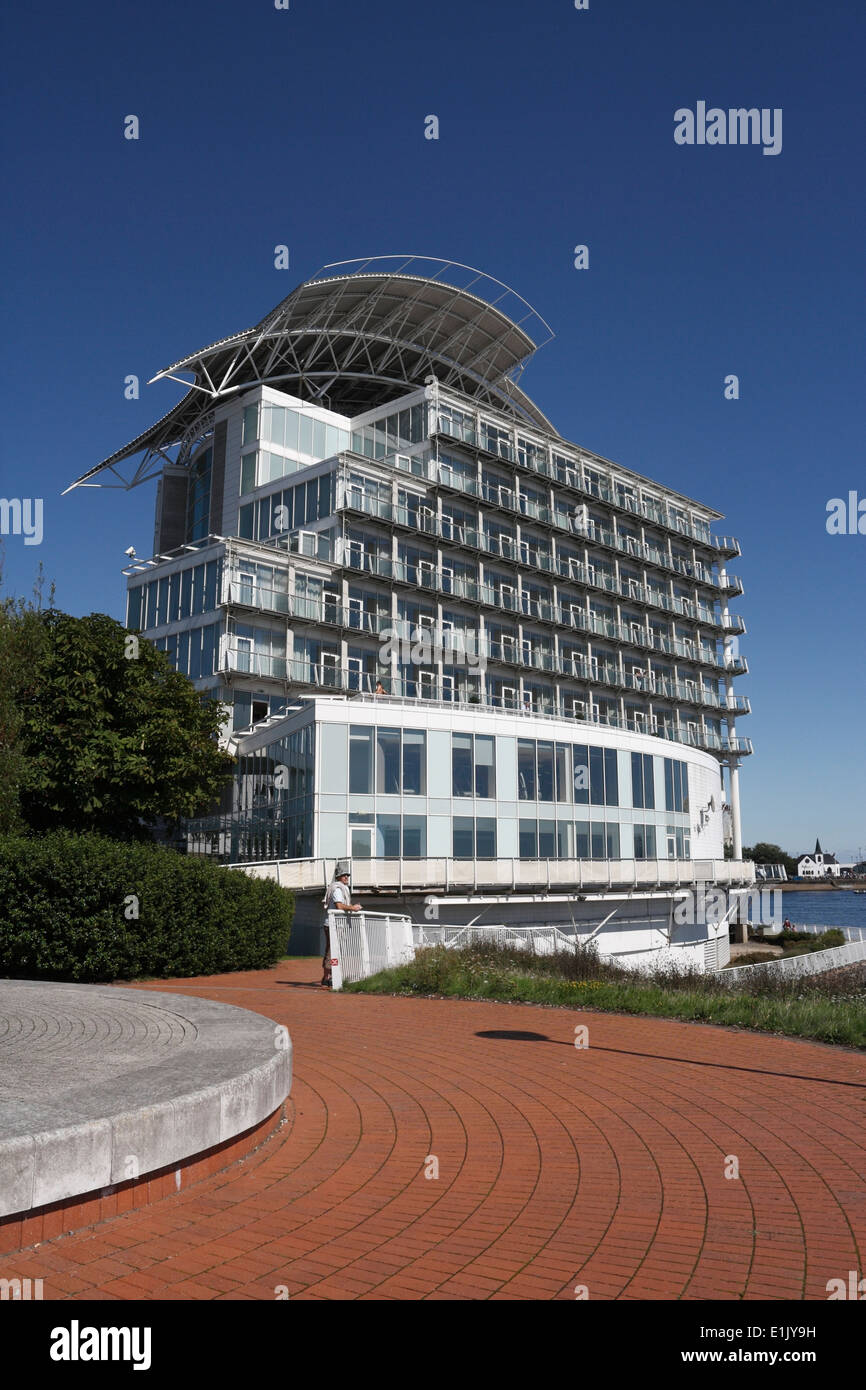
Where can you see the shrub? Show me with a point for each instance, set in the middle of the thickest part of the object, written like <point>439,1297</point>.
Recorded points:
<point>68,906</point>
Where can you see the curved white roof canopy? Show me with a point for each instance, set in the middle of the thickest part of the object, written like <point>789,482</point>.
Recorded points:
<point>357,335</point>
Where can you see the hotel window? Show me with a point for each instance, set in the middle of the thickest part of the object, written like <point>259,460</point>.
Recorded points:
<point>526,769</point>
<point>387,837</point>
<point>473,768</point>
<point>401,762</point>
<point>360,760</point>
<point>414,837</point>
<point>644,842</point>
<point>642,781</point>
<point>133,607</point>
<point>474,838</point>
<point>581,839</point>
<point>676,785</point>
<point>603,777</point>
<point>679,842</point>
<point>495,440</point>
<point>251,424</point>
<point>388,762</point>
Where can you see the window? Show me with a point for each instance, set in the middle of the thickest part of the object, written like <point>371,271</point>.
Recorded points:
<point>463,837</point>
<point>642,781</point>
<point>676,785</point>
<point>526,769</point>
<point>485,837</point>
<point>581,774</point>
<point>414,765</point>
<point>248,472</point>
<point>473,768</point>
<point>644,842</point>
<point>547,839</point>
<point>545,773</point>
<point>485,770</point>
<point>528,839</point>
<point>414,837</point>
<point>388,762</point>
<point>563,780</point>
<point>387,837</point>
<point>461,766</point>
<point>581,839</point>
<point>360,760</point>
<point>251,425</point>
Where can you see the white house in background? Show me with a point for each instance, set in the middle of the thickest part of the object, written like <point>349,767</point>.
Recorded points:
<point>819,865</point>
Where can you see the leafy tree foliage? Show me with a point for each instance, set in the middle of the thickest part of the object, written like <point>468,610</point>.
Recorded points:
<point>110,737</point>
<point>22,644</point>
<point>764,853</point>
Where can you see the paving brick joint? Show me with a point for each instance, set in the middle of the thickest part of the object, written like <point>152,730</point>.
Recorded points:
<point>425,1158</point>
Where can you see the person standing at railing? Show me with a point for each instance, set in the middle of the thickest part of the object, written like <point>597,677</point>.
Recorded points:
<point>337,899</point>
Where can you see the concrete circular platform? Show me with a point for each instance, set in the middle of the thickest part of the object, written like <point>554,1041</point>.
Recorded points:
<point>100,1086</point>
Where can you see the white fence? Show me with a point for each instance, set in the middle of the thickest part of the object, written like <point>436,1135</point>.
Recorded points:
<point>813,963</point>
<point>363,943</point>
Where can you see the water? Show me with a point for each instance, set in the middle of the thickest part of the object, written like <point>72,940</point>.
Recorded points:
<point>820,910</point>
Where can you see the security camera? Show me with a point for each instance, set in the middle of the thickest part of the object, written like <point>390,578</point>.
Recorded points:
<point>130,552</point>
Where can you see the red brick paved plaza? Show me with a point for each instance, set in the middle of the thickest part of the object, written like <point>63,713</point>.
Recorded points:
<point>558,1167</point>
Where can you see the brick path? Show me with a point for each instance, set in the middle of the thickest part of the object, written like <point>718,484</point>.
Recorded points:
<point>558,1167</point>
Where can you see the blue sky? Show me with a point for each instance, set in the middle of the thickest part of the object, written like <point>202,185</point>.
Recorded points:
<point>306,127</point>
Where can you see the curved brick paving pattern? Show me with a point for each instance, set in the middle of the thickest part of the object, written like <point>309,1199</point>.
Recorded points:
<point>557,1167</point>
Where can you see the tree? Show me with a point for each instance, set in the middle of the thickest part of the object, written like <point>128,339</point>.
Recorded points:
<point>22,643</point>
<point>112,737</point>
<point>764,853</point>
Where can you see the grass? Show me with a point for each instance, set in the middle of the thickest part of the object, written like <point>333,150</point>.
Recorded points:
<point>829,1008</point>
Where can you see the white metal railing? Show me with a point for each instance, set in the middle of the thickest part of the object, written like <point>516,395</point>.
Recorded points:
<point>542,940</point>
<point>363,943</point>
<point>812,963</point>
<point>563,876</point>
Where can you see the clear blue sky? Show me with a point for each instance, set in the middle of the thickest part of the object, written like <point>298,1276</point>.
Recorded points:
<point>306,127</point>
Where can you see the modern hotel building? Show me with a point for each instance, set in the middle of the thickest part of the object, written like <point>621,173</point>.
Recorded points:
<point>490,667</point>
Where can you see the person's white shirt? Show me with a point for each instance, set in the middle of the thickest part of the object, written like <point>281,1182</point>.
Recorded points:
<point>339,896</point>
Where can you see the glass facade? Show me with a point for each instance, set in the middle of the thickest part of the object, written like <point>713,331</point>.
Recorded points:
<point>290,509</point>
<point>198,498</point>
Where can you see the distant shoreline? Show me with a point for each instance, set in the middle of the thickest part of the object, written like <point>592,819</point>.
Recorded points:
<point>817,887</point>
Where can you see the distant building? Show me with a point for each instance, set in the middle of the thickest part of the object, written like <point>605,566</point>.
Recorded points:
<point>819,865</point>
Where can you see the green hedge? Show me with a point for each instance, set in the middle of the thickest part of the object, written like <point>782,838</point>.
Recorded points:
<point>67,912</point>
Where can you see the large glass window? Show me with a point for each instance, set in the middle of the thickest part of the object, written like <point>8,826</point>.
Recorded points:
<point>463,837</point>
<point>414,762</point>
<point>642,781</point>
<point>485,769</point>
<point>387,837</point>
<point>473,769</point>
<point>414,837</point>
<point>251,424</point>
<point>526,769</point>
<point>581,774</point>
<point>360,760</point>
<point>461,764</point>
<point>388,762</point>
<point>545,773</point>
<point>528,839</point>
<point>644,842</point>
<point>676,785</point>
<point>485,837</point>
